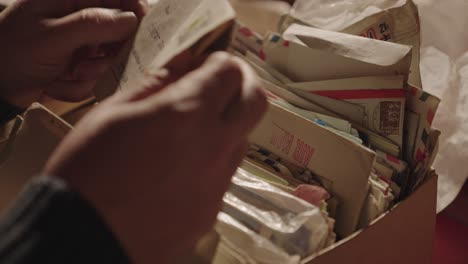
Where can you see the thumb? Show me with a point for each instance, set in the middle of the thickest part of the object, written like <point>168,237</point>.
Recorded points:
<point>92,27</point>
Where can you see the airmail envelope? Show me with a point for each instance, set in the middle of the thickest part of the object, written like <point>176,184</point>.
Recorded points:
<point>382,99</point>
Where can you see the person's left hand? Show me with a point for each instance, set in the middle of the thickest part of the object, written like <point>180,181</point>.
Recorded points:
<point>61,47</point>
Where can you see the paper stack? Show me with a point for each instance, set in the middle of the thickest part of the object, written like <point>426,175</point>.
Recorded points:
<point>348,132</point>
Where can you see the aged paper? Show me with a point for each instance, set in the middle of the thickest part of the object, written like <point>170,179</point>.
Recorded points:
<point>309,145</point>
<point>170,28</point>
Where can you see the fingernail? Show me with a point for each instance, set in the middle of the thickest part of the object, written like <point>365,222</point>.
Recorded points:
<point>127,14</point>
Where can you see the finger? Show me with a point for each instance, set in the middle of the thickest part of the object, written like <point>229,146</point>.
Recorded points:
<point>213,85</point>
<point>151,86</point>
<point>173,71</point>
<point>92,27</point>
<point>185,62</point>
<point>70,91</point>
<point>246,112</point>
<point>140,8</point>
<point>90,70</point>
<point>231,163</point>
<point>237,155</point>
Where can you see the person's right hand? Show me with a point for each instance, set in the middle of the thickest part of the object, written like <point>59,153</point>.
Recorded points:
<point>156,163</point>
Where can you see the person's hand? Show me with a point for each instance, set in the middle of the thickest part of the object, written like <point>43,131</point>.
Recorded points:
<point>61,47</point>
<point>156,163</point>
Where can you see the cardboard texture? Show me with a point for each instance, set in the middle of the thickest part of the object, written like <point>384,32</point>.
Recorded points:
<point>27,150</point>
<point>404,235</point>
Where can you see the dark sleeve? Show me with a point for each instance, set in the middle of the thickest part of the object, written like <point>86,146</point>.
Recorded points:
<point>8,111</point>
<point>50,224</point>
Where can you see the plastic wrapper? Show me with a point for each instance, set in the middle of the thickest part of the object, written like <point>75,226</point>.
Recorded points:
<point>239,244</point>
<point>444,69</point>
<point>288,222</point>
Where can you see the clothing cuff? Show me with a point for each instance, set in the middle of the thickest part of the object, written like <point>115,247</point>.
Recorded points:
<point>56,221</point>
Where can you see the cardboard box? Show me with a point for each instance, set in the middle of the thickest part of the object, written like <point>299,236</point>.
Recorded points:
<point>403,235</point>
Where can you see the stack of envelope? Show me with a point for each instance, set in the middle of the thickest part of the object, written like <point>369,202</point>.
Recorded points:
<point>348,132</point>
<point>364,88</point>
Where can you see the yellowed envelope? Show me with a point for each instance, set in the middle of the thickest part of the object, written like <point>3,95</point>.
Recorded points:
<point>380,98</point>
<point>309,54</point>
<point>355,83</point>
<point>347,165</point>
<point>170,28</point>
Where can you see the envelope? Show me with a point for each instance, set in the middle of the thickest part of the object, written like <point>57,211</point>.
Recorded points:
<point>378,142</point>
<point>171,30</point>
<point>269,71</point>
<point>260,15</point>
<point>246,40</point>
<point>324,120</point>
<point>309,145</point>
<point>422,107</point>
<point>350,84</point>
<point>399,167</point>
<point>393,21</point>
<point>294,99</point>
<point>353,112</point>
<point>325,55</point>
<point>384,110</point>
<point>378,201</point>
<point>381,104</point>
<point>399,25</point>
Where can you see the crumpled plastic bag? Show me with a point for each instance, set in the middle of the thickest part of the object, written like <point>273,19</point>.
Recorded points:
<point>339,14</point>
<point>444,68</point>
